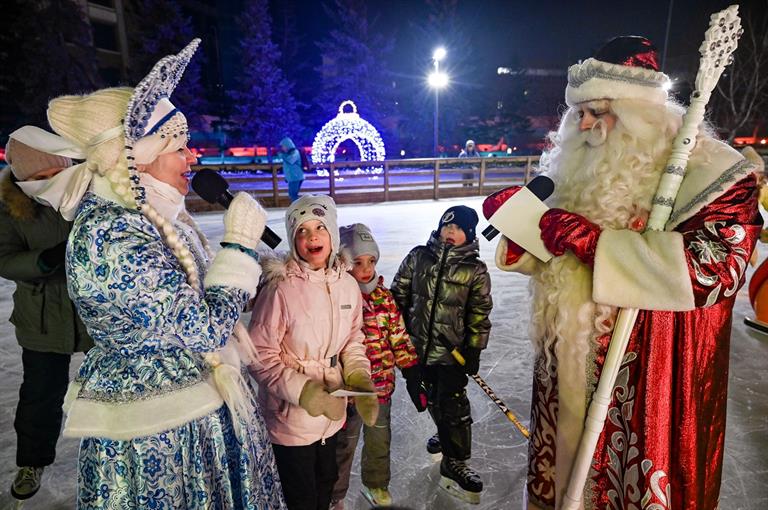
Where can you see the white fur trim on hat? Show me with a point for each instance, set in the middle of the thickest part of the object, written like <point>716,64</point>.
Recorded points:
<point>594,79</point>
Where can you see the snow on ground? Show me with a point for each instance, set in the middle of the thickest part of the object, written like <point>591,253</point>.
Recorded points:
<point>499,452</point>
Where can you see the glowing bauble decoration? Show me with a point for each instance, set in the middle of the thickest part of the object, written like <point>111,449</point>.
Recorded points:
<point>347,125</point>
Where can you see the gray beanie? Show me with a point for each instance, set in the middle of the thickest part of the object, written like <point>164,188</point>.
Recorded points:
<point>357,240</point>
<point>313,207</point>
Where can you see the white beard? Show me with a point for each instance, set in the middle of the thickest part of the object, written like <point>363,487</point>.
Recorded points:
<point>611,181</point>
<point>609,178</point>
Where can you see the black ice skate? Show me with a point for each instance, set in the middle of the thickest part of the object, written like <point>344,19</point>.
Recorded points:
<point>460,481</point>
<point>434,448</point>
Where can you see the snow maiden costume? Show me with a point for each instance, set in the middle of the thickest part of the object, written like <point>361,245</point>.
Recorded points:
<point>662,444</point>
<point>164,417</point>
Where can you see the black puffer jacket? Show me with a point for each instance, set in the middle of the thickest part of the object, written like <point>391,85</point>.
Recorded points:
<point>442,289</point>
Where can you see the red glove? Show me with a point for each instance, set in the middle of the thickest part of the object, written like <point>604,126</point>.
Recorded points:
<point>490,205</point>
<point>562,231</point>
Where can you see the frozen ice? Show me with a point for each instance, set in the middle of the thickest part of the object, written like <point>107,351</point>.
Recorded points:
<point>499,451</point>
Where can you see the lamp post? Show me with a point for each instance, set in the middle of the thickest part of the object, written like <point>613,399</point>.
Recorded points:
<point>437,80</point>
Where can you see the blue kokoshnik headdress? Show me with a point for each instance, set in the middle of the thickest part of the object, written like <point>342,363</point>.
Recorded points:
<point>150,110</point>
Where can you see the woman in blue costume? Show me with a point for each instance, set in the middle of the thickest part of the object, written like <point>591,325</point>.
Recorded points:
<point>166,420</point>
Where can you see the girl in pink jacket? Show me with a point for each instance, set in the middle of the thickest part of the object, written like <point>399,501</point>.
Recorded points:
<point>306,330</point>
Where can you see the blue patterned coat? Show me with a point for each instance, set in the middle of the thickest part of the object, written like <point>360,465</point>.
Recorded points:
<point>155,431</point>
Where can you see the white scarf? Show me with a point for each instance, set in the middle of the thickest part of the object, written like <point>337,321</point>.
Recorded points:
<point>165,199</point>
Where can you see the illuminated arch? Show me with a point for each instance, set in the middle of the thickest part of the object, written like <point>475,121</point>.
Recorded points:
<point>348,125</point>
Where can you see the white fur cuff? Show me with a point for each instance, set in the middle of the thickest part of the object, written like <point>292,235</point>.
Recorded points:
<point>646,271</point>
<point>140,418</point>
<point>232,268</point>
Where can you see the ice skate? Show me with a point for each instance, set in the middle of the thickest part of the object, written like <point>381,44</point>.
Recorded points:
<point>434,448</point>
<point>27,482</point>
<point>377,496</point>
<point>460,481</point>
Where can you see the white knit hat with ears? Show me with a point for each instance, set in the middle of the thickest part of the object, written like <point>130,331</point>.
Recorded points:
<point>625,67</point>
<point>313,207</point>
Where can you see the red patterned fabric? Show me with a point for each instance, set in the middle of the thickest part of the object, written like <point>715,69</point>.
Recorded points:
<point>662,446</point>
<point>386,341</point>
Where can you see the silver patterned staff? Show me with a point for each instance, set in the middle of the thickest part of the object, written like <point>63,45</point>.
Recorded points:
<point>720,41</point>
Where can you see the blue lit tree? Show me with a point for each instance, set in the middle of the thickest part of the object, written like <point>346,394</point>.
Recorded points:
<point>265,106</point>
<point>157,28</point>
<point>354,66</point>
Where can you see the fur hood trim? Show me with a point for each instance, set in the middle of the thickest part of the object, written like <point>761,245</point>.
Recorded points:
<point>282,265</point>
<point>18,205</point>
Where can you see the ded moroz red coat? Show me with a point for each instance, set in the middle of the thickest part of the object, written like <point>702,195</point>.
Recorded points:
<point>662,445</point>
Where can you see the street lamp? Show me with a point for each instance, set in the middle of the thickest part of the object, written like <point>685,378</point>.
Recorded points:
<point>437,80</point>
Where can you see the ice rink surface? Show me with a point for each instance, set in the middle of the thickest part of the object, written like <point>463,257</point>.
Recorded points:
<point>499,452</point>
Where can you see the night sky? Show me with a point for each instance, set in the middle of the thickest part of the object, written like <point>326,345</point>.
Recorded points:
<point>541,34</point>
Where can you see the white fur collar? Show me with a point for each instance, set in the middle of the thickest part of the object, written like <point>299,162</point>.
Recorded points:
<point>706,180</point>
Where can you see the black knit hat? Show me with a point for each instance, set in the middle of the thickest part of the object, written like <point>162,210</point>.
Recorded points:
<point>463,216</point>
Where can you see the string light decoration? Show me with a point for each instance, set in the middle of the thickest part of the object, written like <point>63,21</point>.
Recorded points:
<point>348,125</point>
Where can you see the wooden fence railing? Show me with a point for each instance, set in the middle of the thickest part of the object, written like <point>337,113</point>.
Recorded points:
<point>377,181</point>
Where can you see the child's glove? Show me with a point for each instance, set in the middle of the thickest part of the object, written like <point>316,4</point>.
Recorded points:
<point>562,231</point>
<point>244,221</point>
<point>367,406</point>
<point>472,360</point>
<point>316,401</point>
<point>414,382</point>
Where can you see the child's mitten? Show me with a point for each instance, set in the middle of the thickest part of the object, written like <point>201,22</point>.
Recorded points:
<point>367,406</point>
<point>315,400</point>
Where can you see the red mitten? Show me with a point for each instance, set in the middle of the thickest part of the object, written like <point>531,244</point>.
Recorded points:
<point>562,231</point>
<point>490,205</point>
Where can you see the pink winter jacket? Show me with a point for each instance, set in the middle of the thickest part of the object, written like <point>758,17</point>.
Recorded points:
<point>305,325</point>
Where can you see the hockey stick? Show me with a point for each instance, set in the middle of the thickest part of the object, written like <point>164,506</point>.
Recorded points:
<point>484,386</point>
<point>720,41</point>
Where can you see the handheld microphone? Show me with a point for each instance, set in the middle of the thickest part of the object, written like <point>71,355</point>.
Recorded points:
<point>541,186</point>
<point>214,189</point>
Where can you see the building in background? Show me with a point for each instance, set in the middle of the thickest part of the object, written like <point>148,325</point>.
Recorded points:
<point>107,19</point>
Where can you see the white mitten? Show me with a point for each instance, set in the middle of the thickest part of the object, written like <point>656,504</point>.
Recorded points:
<point>244,221</point>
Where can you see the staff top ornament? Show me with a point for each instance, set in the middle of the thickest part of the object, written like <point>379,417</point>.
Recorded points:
<point>720,41</point>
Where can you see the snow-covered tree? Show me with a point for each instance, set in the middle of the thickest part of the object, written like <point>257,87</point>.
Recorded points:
<point>157,28</point>
<point>46,50</point>
<point>264,103</point>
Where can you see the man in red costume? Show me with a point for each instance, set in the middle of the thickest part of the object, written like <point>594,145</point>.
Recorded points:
<point>662,445</point>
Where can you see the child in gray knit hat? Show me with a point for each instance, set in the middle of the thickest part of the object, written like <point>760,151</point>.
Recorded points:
<point>387,345</point>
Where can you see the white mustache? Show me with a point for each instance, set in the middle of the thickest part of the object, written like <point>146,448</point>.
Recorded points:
<point>597,134</point>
